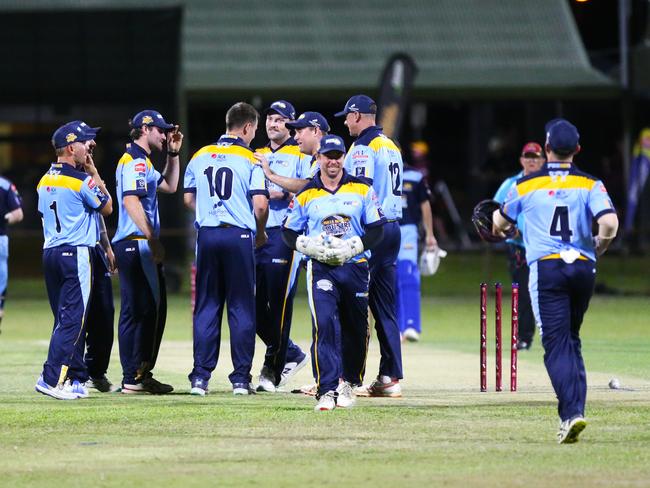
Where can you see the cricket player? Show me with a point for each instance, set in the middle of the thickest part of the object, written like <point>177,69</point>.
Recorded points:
<point>531,160</point>
<point>70,194</point>
<point>416,209</point>
<point>138,250</point>
<point>277,265</point>
<point>559,204</point>
<point>376,158</point>
<point>11,209</point>
<point>227,189</point>
<point>341,210</point>
<point>310,128</point>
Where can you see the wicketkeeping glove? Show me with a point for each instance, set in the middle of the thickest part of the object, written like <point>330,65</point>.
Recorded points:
<point>345,250</point>
<point>314,248</point>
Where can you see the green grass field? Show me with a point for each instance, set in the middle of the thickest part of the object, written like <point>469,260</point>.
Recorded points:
<point>443,432</point>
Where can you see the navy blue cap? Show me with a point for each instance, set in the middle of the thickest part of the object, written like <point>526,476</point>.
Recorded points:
<point>361,104</point>
<point>75,131</point>
<point>310,119</point>
<point>331,143</point>
<point>282,107</point>
<point>150,118</point>
<point>562,136</point>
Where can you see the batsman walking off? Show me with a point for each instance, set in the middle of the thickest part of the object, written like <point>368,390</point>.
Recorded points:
<point>559,204</point>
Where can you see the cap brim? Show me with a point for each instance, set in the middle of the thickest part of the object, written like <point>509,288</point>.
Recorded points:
<point>343,113</point>
<point>165,126</point>
<point>295,125</point>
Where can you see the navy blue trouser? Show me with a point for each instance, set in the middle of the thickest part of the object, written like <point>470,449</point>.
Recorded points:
<point>143,310</point>
<point>560,295</point>
<point>101,314</point>
<point>68,278</point>
<point>519,272</point>
<point>276,275</point>
<point>383,260</point>
<point>338,299</point>
<point>225,273</point>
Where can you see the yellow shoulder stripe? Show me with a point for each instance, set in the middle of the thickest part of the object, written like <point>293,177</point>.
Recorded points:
<point>309,195</point>
<point>61,181</point>
<point>569,182</point>
<point>382,142</point>
<point>227,150</point>
<point>292,150</point>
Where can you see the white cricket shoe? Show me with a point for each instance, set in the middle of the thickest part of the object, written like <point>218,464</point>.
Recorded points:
<point>411,335</point>
<point>76,388</point>
<point>243,389</point>
<point>570,430</point>
<point>199,387</point>
<point>383,386</point>
<point>60,392</point>
<point>290,369</point>
<point>265,381</point>
<point>326,402</point>
<point>346,398</point>
<point>102,384</point>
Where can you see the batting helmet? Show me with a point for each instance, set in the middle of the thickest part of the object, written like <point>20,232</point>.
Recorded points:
<point>482,220</point>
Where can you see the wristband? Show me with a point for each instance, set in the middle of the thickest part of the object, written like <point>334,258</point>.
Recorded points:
<point>172,154</point>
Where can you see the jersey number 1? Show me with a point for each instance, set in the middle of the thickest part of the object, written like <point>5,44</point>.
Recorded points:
<point>560,224</point>
<point>222,182</point>
<point>56,216</point>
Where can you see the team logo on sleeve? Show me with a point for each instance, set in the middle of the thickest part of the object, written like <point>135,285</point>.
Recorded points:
<point>140,167</point>
<point>336,225</point>
<point>91,184</point>
<point>141,185</point>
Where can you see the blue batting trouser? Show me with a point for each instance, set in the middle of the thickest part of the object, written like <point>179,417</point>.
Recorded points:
<point>338,300</point>
<point>276,274</point>
<point>382,300</point>
<point>101,315</point>
<point>560,295</point>
<point>225,273</point>
<point>4,269</point>
<point>143,309</point>
<point>68,279</point>
<point>407,290</point>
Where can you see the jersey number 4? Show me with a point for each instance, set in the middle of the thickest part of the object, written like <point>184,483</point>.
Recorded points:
<point>221,184</point>
<point>560,224</point>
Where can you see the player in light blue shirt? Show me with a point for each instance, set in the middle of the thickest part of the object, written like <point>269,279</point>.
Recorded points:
<point>227,189</point>
<point>11,213</point>
<point>138,250</point>
<point>560,204</point>
<point>531,160</point>
<point>375,158</point>
<point>68,200</point>
<point>343,211</point>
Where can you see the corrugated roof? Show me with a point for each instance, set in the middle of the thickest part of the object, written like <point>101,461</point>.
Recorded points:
<point>465,45</point>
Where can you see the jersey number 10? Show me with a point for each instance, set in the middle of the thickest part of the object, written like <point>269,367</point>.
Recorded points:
<point>221,184</point>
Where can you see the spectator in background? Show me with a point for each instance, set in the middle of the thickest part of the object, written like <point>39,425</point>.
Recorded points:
<point>639,170</point>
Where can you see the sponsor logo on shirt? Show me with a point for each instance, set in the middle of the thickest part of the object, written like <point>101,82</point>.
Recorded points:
<point>140,167</point>
<point>336,225</point>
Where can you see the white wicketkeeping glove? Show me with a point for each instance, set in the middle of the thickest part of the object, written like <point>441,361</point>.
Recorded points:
<point>430,261</point>
<point>314,248</point>
<point>345,251</point>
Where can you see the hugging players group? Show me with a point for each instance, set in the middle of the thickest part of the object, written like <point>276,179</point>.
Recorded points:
<point>258,213</point>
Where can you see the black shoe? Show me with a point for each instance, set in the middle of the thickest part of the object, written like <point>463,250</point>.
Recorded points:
<point>523,345</point>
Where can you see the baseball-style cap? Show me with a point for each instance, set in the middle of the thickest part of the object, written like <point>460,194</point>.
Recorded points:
<point>362,104</point>
<point>282,107</point>
<point>310,119</point>
<point>532,150</point>
<point>75,131</point>
<point>562,136</point>
<point>150,118</point>
<point>331,143</point>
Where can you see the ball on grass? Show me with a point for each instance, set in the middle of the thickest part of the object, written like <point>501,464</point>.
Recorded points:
<point>614,384</point>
